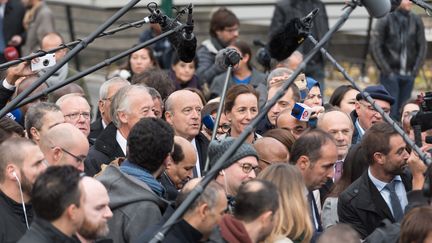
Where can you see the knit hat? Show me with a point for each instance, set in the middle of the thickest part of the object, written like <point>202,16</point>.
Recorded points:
<point>218,148</point>
<point>377,92</point>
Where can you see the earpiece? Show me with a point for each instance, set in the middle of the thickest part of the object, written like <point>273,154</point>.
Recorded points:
<point>15,175</point>
<point>223,172</point>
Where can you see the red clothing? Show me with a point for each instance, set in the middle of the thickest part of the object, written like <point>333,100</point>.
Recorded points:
<point>233,231</point>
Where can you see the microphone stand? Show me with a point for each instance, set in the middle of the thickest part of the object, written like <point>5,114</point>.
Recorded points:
<point>424,5</point>
<point>98,66</point>
<point>90,38</point>
<point>221,103</point>
<point>414,145</point>
<point>221,162</point>
<point>70,45</point>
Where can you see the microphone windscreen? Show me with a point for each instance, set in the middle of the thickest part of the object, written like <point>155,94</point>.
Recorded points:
<point>226,57</point>
<point>377,8</point>
<point>186,49</point>
<point>286,40</point>
<point>11,53</point>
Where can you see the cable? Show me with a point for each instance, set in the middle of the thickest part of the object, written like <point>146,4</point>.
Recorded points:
<point>22,199</point>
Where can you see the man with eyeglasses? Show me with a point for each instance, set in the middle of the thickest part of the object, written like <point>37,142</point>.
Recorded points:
<point>64,144</point>
<point>224,30</point>
<point>287,121</point>
<point>76,111</point>
<point>239,168</point>
<point>270,151</point>
<point>364,115</point>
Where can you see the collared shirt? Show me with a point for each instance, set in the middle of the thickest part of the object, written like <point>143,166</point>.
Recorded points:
<point>121,141</point>
<point>385,194</point>
<point>197,165</point>
<point>360,130</point>
<point>104,125</point>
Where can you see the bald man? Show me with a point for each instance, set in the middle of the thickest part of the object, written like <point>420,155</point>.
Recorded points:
<point>339,125</point>
<point>183,113</point>
<point>64,144</point>
<point>76,111</point>
<point>179,168</point>
<point>96,211</point>
<point>286,121</point>
<point>50,41</point>
<point>270,151</point>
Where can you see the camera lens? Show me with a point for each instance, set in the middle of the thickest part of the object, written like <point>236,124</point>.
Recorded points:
<point>46,62</point>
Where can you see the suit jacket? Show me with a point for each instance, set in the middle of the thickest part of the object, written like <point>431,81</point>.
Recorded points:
<point>362,205</point>
<point>202,144</point>
<point>105,150</point>
<point>96,129</point>
<point>12,20</point>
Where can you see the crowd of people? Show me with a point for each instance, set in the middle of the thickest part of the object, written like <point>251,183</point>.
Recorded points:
<point>342,174</point>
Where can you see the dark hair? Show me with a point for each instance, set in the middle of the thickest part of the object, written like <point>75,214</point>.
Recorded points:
<point>354,165</point>
<point>157,79</point>
<point>254,198</point>
<point>234,92</point>
<point>35,114</point>
<point>151,56</point>
<point>9,127</point>
<point>338,94</point>
<point>175,59</point>
<point>416,225</point>
<point>55,190</point>
<point>177,155</point>
<point>149,142</point>
<point>245,50</point>
<point>309,144</point>
<point>282,135</point>
<point>221,19</point>
<point>377,139</point>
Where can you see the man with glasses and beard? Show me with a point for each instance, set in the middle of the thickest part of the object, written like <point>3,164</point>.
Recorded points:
<point>96,210</point>
<point>21,161</point>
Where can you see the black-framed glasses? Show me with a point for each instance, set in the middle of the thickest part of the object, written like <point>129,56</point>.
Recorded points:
<point>248,167</point>
<point>225,127</point>
<point>79,159</point>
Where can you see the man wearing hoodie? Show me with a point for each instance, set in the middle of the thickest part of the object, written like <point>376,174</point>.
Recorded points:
<point>136,197</point>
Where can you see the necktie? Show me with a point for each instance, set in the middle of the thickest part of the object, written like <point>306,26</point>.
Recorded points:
<point>394,201</point>
<point>314,213</point>
<point>338,170</point>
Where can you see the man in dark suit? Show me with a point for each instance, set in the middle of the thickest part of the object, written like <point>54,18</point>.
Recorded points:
<point>11,27</point>
<point>106,92</point>
<point>183,113</point>
<point>380,193</point>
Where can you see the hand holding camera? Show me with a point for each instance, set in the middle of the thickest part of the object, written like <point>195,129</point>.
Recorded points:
<point>43,62</point>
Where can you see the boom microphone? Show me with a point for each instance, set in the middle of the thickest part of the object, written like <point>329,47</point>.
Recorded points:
<point>184,42</point>
<point>227,57</point>
<point>378,8</point>
<point>289,37</point>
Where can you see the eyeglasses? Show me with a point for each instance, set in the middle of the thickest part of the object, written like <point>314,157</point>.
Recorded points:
<point>76,115</point>
<point>225,127</point>
<point>79,159</point>
<point>371,109</point>
<point>248,167</point>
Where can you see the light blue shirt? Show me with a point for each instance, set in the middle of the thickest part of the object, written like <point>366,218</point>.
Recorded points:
<point>385,193</point>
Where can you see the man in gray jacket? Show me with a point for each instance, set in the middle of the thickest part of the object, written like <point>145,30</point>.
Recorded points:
<point>136,197</point>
